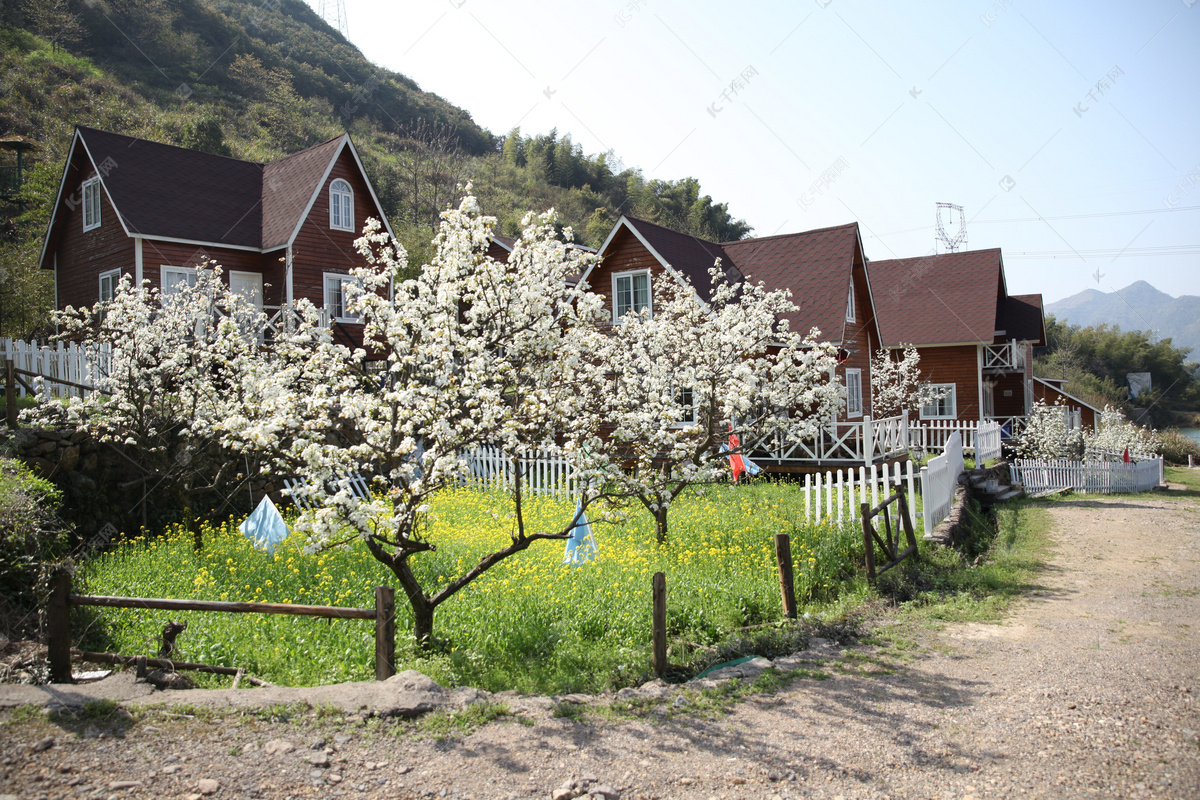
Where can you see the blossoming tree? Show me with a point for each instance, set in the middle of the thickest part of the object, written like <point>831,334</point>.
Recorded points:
<point>897,387</point>
<point>470,352</point>
<point>687,376</point>
<point>1048,434</point>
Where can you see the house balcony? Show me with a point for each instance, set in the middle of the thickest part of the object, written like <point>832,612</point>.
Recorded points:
<point>836,445</point>
<point>1006,357</point>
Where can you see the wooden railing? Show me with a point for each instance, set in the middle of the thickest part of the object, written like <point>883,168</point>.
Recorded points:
<point>1006,356</point>
<point>865,442</point>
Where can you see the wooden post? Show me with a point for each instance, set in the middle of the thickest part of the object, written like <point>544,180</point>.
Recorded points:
<point>868,545</point>
<point>787,586</point>
<point>385,632</point>
<point>10,393</point>
<point>58,626</point>
<point>659,591</point>
<point>1191,462</point>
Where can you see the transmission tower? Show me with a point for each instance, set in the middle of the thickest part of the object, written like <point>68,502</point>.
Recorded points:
<point>948,214</point>
<point>334,13</point>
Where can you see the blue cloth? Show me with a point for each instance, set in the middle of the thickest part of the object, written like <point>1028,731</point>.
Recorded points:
<point>265,526</point>
<point>581,546</point>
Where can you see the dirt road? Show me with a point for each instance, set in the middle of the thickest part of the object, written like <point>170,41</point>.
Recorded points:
<point>1087,690</point>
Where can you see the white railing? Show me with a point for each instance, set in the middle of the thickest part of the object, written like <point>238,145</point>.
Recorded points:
<point>939,478</point>
<point>987,442</point>
<point>1039,477</point>
<point>931,435</point>
<point>1008,355</point>
<point>857,442</point>
<point>68,369</point>
<point>839,495</point>
<point>543,471</point>
<point>1010,427</point>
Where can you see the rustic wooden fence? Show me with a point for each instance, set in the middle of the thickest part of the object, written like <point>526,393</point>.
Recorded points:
<point>890,541</point>
<point>58,623</point>
<point>1043,476</point>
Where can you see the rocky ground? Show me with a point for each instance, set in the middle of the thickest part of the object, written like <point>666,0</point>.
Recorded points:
<point>1087,690</point>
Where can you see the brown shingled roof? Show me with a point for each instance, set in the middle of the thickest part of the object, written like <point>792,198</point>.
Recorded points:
<point>287,186</point>
<point>162,190</point>
<point>690,256</point>
<point>937,299</point>
<point>1021,318</point>
<point>816,266</point>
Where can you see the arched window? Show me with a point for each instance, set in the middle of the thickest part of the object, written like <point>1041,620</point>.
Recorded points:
<point>341,206</point>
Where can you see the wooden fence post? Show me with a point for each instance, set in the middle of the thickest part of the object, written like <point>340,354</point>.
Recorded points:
<point>868,545</point>
<point>659,655</point>
<point>385,632</point>
<point>58,627</point>
<point>10,393</point>
<point>787,586</point>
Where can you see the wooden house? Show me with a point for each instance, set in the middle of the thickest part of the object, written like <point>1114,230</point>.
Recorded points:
<point>823,269</point>
<point>281,231</point>
<point>975,339</point>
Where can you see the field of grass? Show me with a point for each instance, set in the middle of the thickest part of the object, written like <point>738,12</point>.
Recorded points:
<point>531,623</point>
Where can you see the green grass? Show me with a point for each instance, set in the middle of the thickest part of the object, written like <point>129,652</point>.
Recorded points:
<point>535,625</point>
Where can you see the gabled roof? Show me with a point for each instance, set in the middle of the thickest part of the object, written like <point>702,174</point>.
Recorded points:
<point>287,186</point>
<point>160,191</point>
<point>1056,386</point>
<point>938,299</point>
<point>1020,317</point>
<point>816,266</point>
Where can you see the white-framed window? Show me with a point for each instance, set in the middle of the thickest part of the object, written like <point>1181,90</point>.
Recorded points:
<point>989,399</point>
<point>335,296</point>
<point>941,402</point>
<point>341,206</point>
<point>108,284</point>
<point>687,399</point>
<point>854,398</point>
<point>851,316</point>
<point>91,203</point>
<point>631,292</point>
<point>172,279</point>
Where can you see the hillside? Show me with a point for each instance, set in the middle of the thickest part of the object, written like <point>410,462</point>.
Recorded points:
<point>259,80</point>
<point>1137,307</point>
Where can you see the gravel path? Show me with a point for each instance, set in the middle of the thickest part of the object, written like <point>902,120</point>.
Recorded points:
<point>1087,690</point>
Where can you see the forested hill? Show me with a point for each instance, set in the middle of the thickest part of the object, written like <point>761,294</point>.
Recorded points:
<point>259,79</point>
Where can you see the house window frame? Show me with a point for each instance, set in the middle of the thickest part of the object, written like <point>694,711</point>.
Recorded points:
<point>686,397</point>
<point>341,200</point>
<point>114,279</point>
<point>854,411</point>
<point>851,311</point>
<point>631,274</point>
<point>342,279</point>
<point>91,203</point>
<point>166,289</point>
<point>950,397</point>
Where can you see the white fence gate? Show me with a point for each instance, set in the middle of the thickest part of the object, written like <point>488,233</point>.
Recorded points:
<point>543,471</point>
<point>939,478</point>
<point>987,442</point>
<point>1040,477</point>
<point>68,369</point>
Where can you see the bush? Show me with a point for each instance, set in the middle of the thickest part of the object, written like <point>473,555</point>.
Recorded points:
<point>32,537</point>
<point>1176,446</point>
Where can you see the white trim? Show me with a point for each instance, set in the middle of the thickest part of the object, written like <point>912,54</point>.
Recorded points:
<point>321,183</point>
<point>54,214</point>
<point>261,284</point>
<point>857,373</point>
<point>1052,387</point>
<point>686,423</point>
<point>201,242</point>
<point>666,264</point>
<point>93,184</point>
<point>137,262</point>
<point>116,210</point>
<point>114,278</point>
<point>56,290</point>
<point>630,273</point>
<point>342,278</point>
<point>851,316</point>
<point>335,203</point>
<point>977,342</point>
<point>979,371</point>
<point>870,293</point>
<point>287,271</point>
<point>162,278</point>
<point>952,396</point>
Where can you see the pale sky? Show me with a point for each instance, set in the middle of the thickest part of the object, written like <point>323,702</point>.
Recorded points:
<point>1068,131</point>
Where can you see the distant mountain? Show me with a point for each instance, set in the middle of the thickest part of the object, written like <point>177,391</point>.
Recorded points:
<point>1137,307</point>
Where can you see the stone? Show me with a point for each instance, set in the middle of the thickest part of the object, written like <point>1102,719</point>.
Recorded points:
<point>115,786</point>
<point>334,778</point>
<point>45,448</point>
<point>42,745</point>
<point>69,459</point>
<point>77,436</point>
<point>319,759</point>
<point>171,769</point>
<point>208,786</point>
<point>166,679</point>
<point>342,738</point>
<point>605,792</point>
<point>564,793</point>
<point>193,796</point>
<point>278,747</point>
<point>411,694</point>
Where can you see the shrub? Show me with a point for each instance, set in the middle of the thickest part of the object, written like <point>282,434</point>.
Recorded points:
<point>1176,446</point>
<point>32,537</point>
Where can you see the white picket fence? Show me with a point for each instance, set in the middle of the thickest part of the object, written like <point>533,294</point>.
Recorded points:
<point>939,478</point>
<point>987,442</point>
<point>60,364</point>
<point>1040,477</point>
<point>838,495</point>
<point>544,472</point>
<point>931,435</point>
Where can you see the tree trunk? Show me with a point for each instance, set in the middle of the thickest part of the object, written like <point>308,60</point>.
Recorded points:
<point>421,607</point>
<point>423,625</point>
<point>660,524</point>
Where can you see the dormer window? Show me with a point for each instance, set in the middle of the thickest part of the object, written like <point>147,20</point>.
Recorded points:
<point>631,292</point>
<point>91,203</point>
<point>850,315</point>
<point>341,206</point>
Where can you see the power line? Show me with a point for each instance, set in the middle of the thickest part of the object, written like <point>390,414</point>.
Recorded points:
<point>1040,219</point>
<point>1114,252</point>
